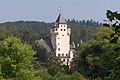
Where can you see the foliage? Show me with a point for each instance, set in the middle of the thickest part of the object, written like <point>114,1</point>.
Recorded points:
<point>102,32</point>
<point>29,31</point>
<point>74,76</point>
<point>113,56</point>
<point>87,61</point>
<point>15,60</point>
<point>43,74</point>
<point>100,57</point>
<point>3,34</point>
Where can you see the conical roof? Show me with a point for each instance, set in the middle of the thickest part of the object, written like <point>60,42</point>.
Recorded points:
<point>60,19</point>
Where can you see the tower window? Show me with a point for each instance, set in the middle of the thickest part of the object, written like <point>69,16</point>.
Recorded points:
<point>68,34</point>
<point>66,54</point>
<point>64,60</point>
<point>58,49</point>
<point>67,60</point>
<point>59,54</point>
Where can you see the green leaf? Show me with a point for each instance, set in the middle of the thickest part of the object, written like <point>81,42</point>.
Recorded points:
<point>114,40</point>
<point>110,15</point>
<point>112,35</point>
<point>118,16</point>
<point>107,25</point>
<point>117,49</point>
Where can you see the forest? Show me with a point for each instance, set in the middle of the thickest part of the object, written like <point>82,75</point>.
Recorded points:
<point>97,57</point>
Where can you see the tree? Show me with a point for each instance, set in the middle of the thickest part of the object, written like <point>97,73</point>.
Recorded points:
<point>3,34</point>
<point>87,62</point>
<point>102,32</point>
<point>113,56</point>
<point>16,60</point>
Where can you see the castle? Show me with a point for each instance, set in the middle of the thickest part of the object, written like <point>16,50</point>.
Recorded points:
<point>59,43</point>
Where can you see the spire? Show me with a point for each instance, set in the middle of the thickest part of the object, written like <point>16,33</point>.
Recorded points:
<point>60,19</point>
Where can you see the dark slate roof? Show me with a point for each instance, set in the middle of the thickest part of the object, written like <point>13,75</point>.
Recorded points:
<point>43,43</point>
<point>60,19</point>
<point>47,44</point>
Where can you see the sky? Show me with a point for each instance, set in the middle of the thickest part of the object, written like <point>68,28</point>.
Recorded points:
<point>47,10</point>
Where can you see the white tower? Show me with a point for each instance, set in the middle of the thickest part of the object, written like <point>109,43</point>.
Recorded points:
<point>60,39</point>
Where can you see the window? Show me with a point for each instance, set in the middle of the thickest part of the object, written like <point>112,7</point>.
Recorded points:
<point>66,54</point>
<point>62,54</point>
<point>58,43</point>
<point>58,49</point>
<point>59,54</point>
<point>64,25</point>
<point>61,29</point>
<point>61,25</point>
<point>58,38</point>
<point>56,29</point>
<point>68,34</point>
<point>62,35</point>
<point>64,60</point>
<point>64,29</point>
<point>56,33</point>
<point>67,60</point>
